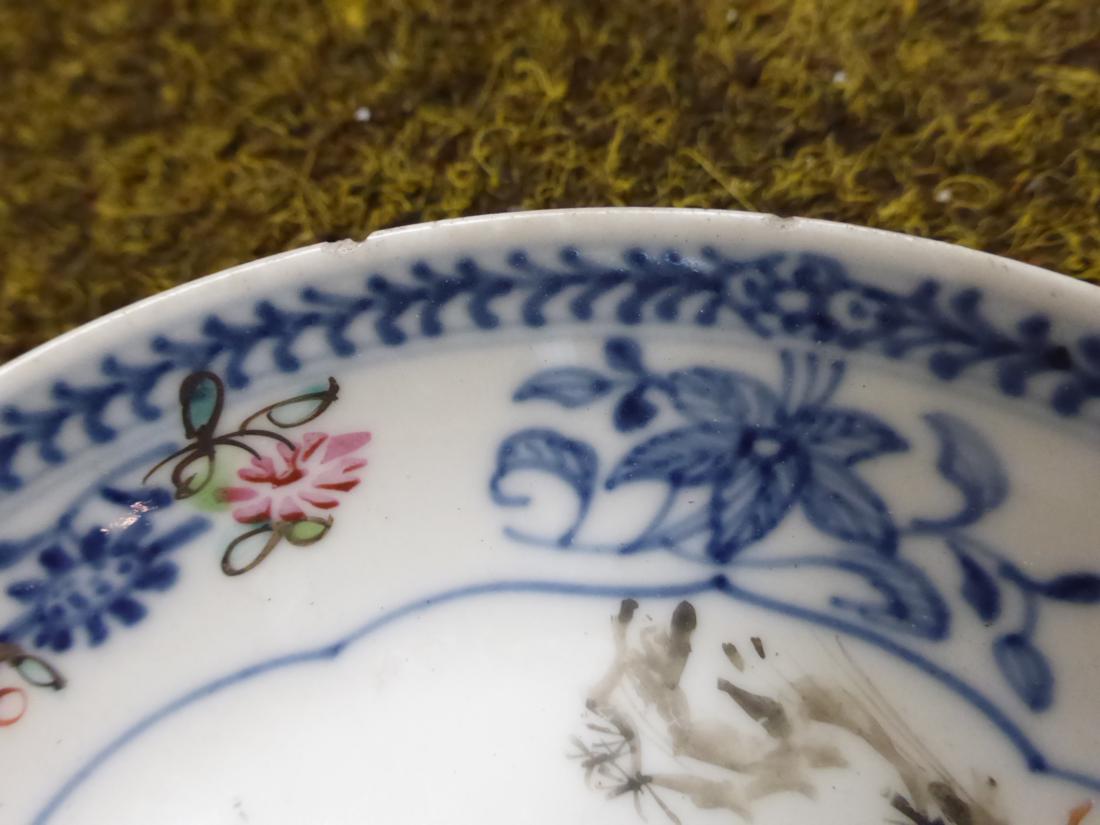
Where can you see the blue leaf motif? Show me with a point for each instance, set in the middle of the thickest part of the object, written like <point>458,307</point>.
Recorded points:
<point>1025,669</point>
<point>569,386</point>
<point>547,451</point>
<point>968,461</point>
<point>840,503</point>
<point>910,601</point>
<point>717,396</point>
<point>749,502</point>
<point>847,436</point>
<point>979,588</point>
<point>680,458</point>
<point>1077,588</point>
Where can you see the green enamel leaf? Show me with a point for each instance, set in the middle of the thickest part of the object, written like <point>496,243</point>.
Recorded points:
<point>210,498</point>
<point>38,673</point>
<point>306,532</point>
<point>201,397</point>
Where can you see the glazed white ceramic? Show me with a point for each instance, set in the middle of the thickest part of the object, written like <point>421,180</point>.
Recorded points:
<point>663,516</point>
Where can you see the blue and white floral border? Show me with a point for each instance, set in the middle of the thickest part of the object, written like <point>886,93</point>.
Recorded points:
<point>787,295</point>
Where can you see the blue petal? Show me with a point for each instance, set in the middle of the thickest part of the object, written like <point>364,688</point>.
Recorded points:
<point>846,436</point>
<point>718,396</point>
<point>568,386</point>
<point>159,577</point>
<point>692,455</point>
<point>56,560</point>
<point>27,591</point>
<point>77,600</point>
<point>127,610</point>
<point>841,504</point>
<point>61,639</point>
<point>93,547</point>
<point>749,503</point>
<point>97,629</point>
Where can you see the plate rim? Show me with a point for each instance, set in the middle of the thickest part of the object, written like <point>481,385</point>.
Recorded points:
<point>1030,286</point>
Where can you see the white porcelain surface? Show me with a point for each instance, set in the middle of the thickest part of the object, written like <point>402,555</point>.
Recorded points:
<point>449,640</point>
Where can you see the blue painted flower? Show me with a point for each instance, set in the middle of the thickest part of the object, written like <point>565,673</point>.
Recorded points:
<point>90,577</point>
<point>763,453</point>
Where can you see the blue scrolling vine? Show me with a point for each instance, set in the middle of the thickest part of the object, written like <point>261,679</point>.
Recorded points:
<point>742,457</point>
<point>773,295</point>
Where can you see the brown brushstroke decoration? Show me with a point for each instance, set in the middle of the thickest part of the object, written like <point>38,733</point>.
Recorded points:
<point>736,768</point>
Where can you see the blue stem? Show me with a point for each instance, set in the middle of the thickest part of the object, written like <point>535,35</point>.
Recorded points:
<point>1031,613</point>
<point>645,539</point>
<point>649,539</point>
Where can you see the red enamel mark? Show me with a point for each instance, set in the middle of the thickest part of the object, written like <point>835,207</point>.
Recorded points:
<point>7,718</point>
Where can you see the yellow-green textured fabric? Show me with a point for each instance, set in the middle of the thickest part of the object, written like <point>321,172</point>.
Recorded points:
<point>147,142</point>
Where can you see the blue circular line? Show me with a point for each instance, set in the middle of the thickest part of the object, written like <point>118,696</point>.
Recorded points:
<point>1035,759</point>
<point>331,651</point>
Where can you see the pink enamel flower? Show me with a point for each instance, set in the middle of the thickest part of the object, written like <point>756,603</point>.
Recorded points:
<point>300,483</point>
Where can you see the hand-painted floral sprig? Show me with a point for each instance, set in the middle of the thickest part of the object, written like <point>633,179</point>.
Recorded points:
<point>287,494</point>
<point>34,670</point>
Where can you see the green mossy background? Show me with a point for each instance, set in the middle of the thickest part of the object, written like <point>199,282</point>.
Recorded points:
<point>147,142</point>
